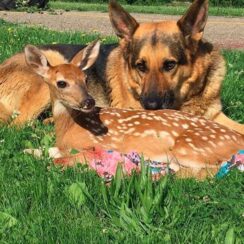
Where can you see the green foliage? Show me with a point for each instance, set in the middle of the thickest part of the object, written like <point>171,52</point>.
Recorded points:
<point>219,3</point>
<point>140,2</point>
<point>6,221</point>
<point>227,3</point>
<point>173,9</point>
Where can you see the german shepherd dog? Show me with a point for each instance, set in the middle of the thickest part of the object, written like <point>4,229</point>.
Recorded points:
<point>156,65</point>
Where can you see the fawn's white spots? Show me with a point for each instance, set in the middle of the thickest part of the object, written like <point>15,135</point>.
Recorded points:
<point>227,137</point>
<point>149,133</point>
<point>163,134</point>
<point>175,124</point>
<point>185,126</point>
<point>202,150</point>
<point>182,151</point>
<point>222,130</point>
<point>213,136</point>
<point>125,120</point>
<point>136,134</point>
<point>212,144</point>
<point>208,149</point>
<point>220,143</point>
<point>129,131</point>
<point>204,138</point>
<point>202,121</point>
<point>113,132</point>
<point>99,138</point>
<point>136,122</point>
<point>107,122</point>
<point>191,145</point>
<point>116,139</point>
<point>188,139</point>
<point>135,116</point>
<point>175,133</point>
<point>233,137</point>
<point>160,119</point>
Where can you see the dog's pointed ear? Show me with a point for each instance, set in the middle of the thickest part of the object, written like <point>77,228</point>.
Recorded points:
<point>194,21</point>
<point>123,23</point>
<point>87,56</point>
<point>37,60</point>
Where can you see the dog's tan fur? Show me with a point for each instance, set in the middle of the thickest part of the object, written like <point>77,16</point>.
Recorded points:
<point>195,83</point>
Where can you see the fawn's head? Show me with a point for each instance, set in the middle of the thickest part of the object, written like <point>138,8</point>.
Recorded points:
<point>67,82</point>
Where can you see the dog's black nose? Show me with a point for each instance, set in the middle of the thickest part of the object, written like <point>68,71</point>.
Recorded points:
<point>151,102</point>
<point>88,103</point>
<point>155,101</point>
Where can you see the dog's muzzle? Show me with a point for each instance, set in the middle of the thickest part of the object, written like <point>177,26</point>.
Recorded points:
<point>154,101</point>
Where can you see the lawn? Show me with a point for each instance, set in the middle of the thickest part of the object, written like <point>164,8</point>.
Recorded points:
<point>41,203</point>
<point>178,9</point>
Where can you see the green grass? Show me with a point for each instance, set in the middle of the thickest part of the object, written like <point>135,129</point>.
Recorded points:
<point>167,9</point>
<point>42,204</point>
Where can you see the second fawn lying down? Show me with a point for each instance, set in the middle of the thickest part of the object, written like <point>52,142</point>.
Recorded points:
<point>190,144</point>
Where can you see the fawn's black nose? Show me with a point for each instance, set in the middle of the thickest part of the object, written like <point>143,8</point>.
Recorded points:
<point>88,103</point>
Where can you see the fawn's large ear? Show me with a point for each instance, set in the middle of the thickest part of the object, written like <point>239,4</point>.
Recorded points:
<point>87,56</point>
<point>37,60</point>
<point>123,23</point>
<point>194,20</point>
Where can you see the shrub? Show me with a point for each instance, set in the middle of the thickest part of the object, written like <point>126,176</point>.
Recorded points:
<point>130,2</point>
<point>227,3</point>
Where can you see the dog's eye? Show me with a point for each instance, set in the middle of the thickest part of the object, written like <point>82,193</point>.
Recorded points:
<point>141,66</point>
<point>169,65</point>
<point>62,84</point>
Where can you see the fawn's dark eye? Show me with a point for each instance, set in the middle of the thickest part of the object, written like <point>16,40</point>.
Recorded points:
<point>169,65</point>
<point>141,66</point>
<point>62,84</point>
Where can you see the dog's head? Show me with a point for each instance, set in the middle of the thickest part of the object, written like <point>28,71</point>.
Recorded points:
<point>159,55</point>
